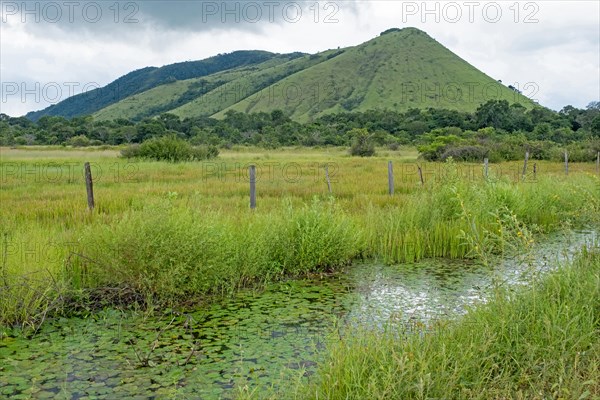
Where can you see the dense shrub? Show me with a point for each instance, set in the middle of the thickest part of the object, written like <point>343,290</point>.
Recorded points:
<point>465,153</point>
<point>170,148</point>
<point>79,141</point>
<point>438,145</point>
<point>362,144</point>
<point>541,150</point>
<point>131,151</point>
<point>585,151</point>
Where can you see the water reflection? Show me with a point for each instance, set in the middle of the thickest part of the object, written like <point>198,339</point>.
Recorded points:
<point>253,339</point>
<point>439,288</point>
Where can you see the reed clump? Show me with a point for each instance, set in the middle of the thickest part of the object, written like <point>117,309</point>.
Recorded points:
<point>538,343</point>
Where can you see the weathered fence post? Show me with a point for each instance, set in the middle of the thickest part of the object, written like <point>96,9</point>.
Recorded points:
<point>421,175</point>
<point>566,163</point>
<point>391,178</point>
<point>89,185</point>
<point>485,169</point>
<point>534,171</point>
<point>327,178</point>
<point>525,164</point>
<point>252,187</point>
<point>598,163</point>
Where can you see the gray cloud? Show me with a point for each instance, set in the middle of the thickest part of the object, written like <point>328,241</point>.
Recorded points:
<point>560,53</point>
<point>108,18</point>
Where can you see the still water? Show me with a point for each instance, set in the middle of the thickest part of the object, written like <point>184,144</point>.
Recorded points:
<point>255,340</point>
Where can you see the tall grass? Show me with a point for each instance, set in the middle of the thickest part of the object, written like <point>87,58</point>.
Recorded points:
<point>164,255</point>
<point>538,343</point>
<point>457,218</point>
<point>30,288</point>
<point>165,233</point>
<point>169,253</point>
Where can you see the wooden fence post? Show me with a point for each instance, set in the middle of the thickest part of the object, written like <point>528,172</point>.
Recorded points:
<point>421,175</point>
<point>598,163</point>
<point>566,163</point>
<point>252,187</point>
<point>534,171</point>
<point>327,178</point>
<point>89,185</point>
<point>391,178</point>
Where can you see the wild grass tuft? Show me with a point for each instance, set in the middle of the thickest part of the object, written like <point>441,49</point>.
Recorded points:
<point>170,254</point>
<point>458,218</point>
<point>538,343</point>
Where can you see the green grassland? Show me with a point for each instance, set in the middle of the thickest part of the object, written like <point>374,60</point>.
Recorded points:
<point>143,79</point>
<point>163,233</point>
<point>136,105</point>
<point>246,86</point>
<point>223,89</point>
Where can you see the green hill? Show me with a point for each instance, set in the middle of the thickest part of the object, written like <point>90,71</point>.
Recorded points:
<point>398,70</point>
<point>248,86</point>
<point>210,94</point>
<point>172,95</point>
<point>147,78</point>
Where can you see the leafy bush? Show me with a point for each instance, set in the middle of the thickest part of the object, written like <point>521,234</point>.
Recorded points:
<point>170,148</point>
<point>585,151</point>
<point>204,152</point>
<point>541,150</point>
<point>131,151</point>
<point>79,141</point>
<point>465,153</point>
<point>362,144</point>
<point>439,145</point>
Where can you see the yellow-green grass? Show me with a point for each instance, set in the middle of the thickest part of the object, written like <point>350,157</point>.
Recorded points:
<point>50,238</point>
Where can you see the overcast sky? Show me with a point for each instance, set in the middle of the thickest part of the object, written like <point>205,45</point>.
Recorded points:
<point>52,49</point>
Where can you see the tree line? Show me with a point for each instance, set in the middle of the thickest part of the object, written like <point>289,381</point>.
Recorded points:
<point>496,129</point>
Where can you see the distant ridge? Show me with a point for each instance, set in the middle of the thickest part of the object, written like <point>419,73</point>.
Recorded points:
<point>147,78</point>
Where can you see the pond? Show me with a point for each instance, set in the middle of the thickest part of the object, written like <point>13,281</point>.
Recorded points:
<point>258,340</point>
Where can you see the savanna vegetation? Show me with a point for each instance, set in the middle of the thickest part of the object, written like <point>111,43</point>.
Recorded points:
<point>168,236</point>
<point>171,229</point>
<point>163,234</point>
